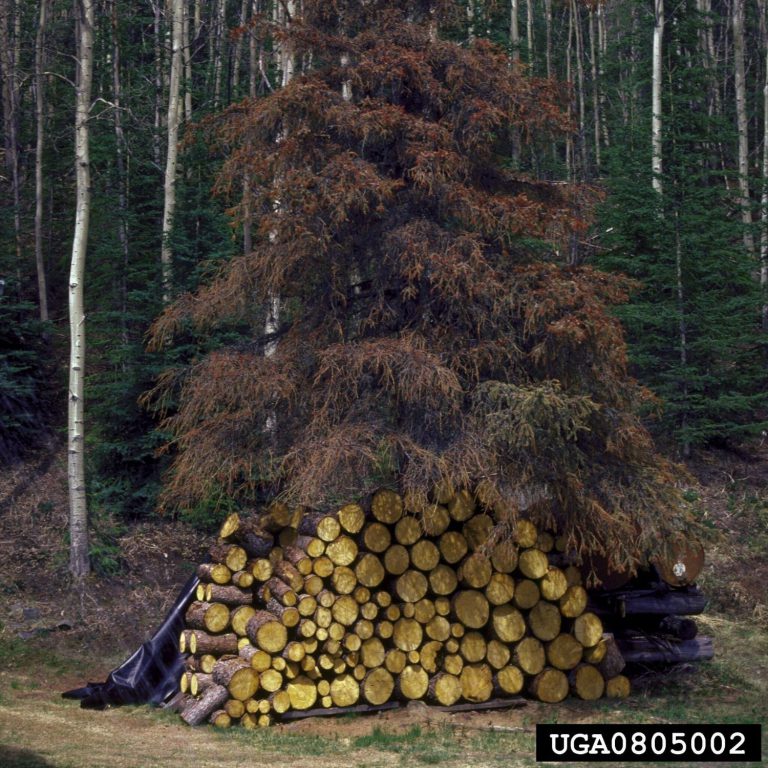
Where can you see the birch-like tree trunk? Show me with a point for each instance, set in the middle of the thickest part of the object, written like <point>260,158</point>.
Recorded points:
<point>42,282</point>
<point>593,59</point>
<point>171,159</point>
<point>529,32</point>
<point>656,121</point>
<point>78,514</point>
<point>579,38</point>
<point>514,29</point>
<point>186,46</point>
<point>740,89</point>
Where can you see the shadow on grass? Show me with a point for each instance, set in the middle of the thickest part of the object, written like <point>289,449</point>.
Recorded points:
<point>11,757</point>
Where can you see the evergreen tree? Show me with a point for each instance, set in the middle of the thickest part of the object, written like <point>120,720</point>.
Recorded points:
<point>424,339</point>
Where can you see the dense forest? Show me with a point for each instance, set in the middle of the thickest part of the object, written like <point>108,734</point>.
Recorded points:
<point>310,246</point>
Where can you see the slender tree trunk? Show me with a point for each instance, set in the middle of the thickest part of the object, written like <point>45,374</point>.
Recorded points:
<point>238,47</point>
<point>656,124</point>
<point>576,14</point>
<point>470,20</point>
<point>78,513</point>
<point>529,31</point>
<point>174,90</point>
<point>9,63</point>
<point>122,182</point>
<point>187,56</point>
<point>764,196</point>
<point>514,29</point>
<point>254,58</point>
<point>158,43</point>
<point>602,50</point>
<point>220,48</point>
<point>42,283</point>
<point>548,25</point>
<point>741,121</point>
<point>569,149</point>
<point>595,86</point>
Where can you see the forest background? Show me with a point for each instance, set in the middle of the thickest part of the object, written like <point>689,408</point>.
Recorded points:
<point>667,114</point>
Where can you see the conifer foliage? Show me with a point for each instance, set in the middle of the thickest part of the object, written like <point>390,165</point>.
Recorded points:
<point>426,335</point>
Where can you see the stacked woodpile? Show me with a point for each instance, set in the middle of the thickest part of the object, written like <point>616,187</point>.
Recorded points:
<point>305,610</point>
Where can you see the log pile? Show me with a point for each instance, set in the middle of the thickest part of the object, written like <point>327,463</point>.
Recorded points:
<point>298,611</point>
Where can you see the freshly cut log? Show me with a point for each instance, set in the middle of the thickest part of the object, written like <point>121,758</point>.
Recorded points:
<point>411,586</point>
<point>287,572</point>
<point>471,608</point>
<point>386,506</point>
<point>412,682</point>
<point>458,629</point>
<point>475,571</point>
<point>407,635</point>
<point>369,570</point>
<point>529,656</point>
<point>229,526</point>
<point>345,690</point>
<point>498,654</point>
<point>533,563</point>
<point>280,701</point>
<point>322,566</point>
<point>396,559</point>
<point>473,647</point>
<point>395,661</point>
<point>271,680</point>
<point>372,653</point>
<point>545,541</point>
<point>425,555</point>
<point>238,676</point>
<point>477,531</point>
<point>544,621</point>
<point>199,710</point>
<point>343,581</point>
<point>326,598</point>
<point>313,546</point>
<point>364,628</point>
<point>240,617</point>
<point>369,611</point>
<point>564,652</point>
<point>229,595</point>
<point>435,520</point>
<point>319,524</point>
<point>393,612</point>
<point>342,550</point>
<point>385,629</point>
<point>233,556</point>
<point>352,642</point>
<point>243,579</point>
<point>504,556</point>
<point>442,492</point>
<point>476,682</point>
<point>299,559</point>
<point>279,590</point>
<point>376,538</point>
<point>500,589</point>
<point>261,568</point>
<point>313,584</point>
<point>218,573</point>
<point>424,611</point>
<point>526,534</point>
<point>452,546</point>
<point>588,629</point>
<point>444,689</point>
<point>185,682</point>
<point>438,628</point>
<point>550,686</point>
<point>302,692</point>
<point>306,605</point>
<point>573,602</point>
<point>553,584</point>
<point>527,594</point>
<point>345,611</point>
<point>442,580</point>
<point>586,682</point>
<point>508,623</point>
<point>453,663</point>
<point>407,530</point>
<point>276,516</point>
<point>378,685</point>
<point>429,656</point>
<point>648,650</point>
<point>307,629</point>
<point>259,660</point>
<point>235,708</point>
<point>211,617</point>
<point>289,616</point>
<point>442,605</point>
<point>294,651</point>
<point>267,632</point>
<point>351,518</point>
<point>618,687</point>
<point>200,642</point>
<point>596,653</point>
<point>509,680</point>
<point>461,506</point>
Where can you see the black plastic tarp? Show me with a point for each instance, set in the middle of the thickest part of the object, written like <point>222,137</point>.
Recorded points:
<point>151,674</point>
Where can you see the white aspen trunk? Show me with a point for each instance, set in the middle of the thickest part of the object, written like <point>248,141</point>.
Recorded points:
<point>171,160</point>
<point>656,117</point>
<point>78,514</point>
<point>514,29</point>
<point>529,31</point>
<point>580,80</point>
<point>593,57</point>
<point>741,122</point>
<point>187,56</point>
<point>42,283</point>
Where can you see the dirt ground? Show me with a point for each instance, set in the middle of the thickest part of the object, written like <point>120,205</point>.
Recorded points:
<point>52,638</point>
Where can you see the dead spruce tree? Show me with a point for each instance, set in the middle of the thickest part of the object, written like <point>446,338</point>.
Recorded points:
<point>467,353</point>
